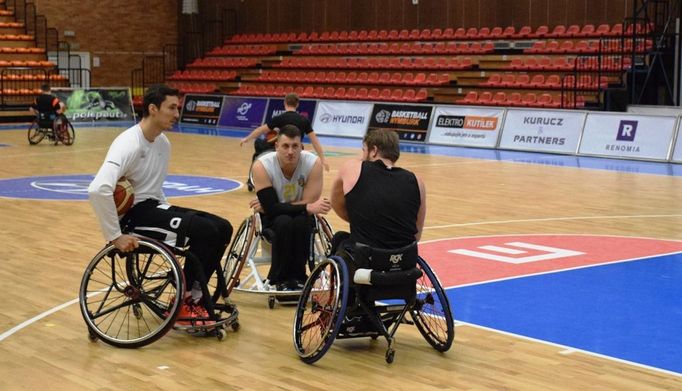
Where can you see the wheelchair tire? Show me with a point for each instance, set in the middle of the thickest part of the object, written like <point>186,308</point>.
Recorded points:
<point>35,134</point>
<point>315,325</point>
<point>130,300</point>
<point>65,132</point>
<point>432,314</point>
<point>234,260</point>
<point>322,242</point>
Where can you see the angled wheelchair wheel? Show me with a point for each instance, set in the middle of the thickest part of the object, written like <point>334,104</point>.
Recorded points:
<point>64,131</point>
<point>321,309</point>
<point>431,313</point>
<point>131,299</point>
<point>35,134</point>
<point>322,242</point>
<point>234,259</point>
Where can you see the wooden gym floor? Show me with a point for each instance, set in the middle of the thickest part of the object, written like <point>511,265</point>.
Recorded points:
<point>45,246</point>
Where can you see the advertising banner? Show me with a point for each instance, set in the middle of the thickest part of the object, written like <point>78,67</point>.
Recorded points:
<point>96,104</point>
<point>542,130</point>
<point>201,109</point>
<point>411,122</point>
<point>466,126</point>
<point>276,107</point>
<point>627,136</point>
<point>347,119</point>
<point>242,112</point>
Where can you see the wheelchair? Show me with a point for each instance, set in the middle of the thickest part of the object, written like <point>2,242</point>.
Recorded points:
<point>251,247</point>
<point>54,127</point>
<point>372,302</point>
<point>132,299</point>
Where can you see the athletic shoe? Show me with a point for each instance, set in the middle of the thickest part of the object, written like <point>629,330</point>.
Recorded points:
<point>192,314</point>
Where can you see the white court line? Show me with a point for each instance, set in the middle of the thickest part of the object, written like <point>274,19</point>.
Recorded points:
<point>28,322</point>
<point>568,349</point>
<point>36,318</point>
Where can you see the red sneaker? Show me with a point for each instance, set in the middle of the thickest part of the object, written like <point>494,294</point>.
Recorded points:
<point>192,314</point>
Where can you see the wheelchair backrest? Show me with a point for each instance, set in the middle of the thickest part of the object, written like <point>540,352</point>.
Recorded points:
<point>386,260</point>
<point>46,119</point>
<point>393,272</point>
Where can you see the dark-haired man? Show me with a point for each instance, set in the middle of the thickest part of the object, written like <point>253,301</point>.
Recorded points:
<point>47,106</point>
<point>288,184</point>
<point>141,154</point>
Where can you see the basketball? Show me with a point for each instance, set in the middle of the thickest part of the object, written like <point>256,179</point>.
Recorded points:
<point>271,136</point>
<point>124,195</point>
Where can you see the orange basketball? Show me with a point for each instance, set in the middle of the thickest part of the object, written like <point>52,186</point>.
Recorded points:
<point>124,195</point>
<point>271,136</point>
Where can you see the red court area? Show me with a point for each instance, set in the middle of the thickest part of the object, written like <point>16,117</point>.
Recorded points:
<point>461,261</point>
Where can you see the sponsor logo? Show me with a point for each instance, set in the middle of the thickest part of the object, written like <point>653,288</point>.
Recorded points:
<point>206,106</point>
<point>411,118</point>
<point>244,108</point>
<point>468,122</point>
<point>75,187</point>
<point>98,115</point>
<point>622,148</point>
<point>191,105</point>
<point>383,116</point>
<point>539,140</point>
<point>395,258</point>
<point>552,121</point>
<point>342,119</point>
<point>626,130</point>
<point>275,113</point>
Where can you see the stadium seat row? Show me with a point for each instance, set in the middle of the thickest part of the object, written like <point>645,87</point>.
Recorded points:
<point>529,99</point>
<point>471,33</point>
<point>215,62</point>
<point>540,81</point>
<point>244,50</point>
<point>22,63</point>
<point>562,63</point>
<point>203,75</point>
<point>396,78</point>
<point>351,93</point>
<point>594,46</point>
<point>16,37</point>
<point>397,48</point>
<point>450,62</point>
<point>22,50</point>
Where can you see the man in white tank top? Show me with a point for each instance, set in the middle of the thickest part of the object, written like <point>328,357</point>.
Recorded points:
<point>288,183</point>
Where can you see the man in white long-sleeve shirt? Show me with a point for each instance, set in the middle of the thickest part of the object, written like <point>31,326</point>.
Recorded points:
<point>141,154</point>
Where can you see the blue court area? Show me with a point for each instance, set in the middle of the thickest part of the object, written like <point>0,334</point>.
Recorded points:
<point>630,310</point>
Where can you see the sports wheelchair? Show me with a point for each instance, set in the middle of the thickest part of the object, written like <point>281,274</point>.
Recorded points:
<point>132,299</point>
<point>56,127</point>
<point>252,246</point>
<point>371,301</point>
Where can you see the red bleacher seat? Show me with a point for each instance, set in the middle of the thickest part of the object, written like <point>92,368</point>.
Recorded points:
<point>422,95</point>
<point>373,94</point>
<point>362,93</point>
<point>587,30</point>
<point>493,81</point>
<point>602,29</point>
<point>396,95</point>
<point>351,93</point>
<point>470,98</point>
<point>529,99</point>
<point>485,98</point>
<point>499,99</point>
<point>558,31</point>
<point>524,32</point>
<point>340,93</point>
<point>409,95</point>
<point>522,81</point>
<point>537,81</point>
<point>514,99</point>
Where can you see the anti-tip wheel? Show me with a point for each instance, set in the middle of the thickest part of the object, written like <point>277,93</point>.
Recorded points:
<point>271,302</point>
<point>390,355</point>
<point>221,334</point>
<point>235,326</point>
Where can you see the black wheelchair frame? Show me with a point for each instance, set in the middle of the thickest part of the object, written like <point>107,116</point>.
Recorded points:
<point>327,311</point>
<point>132,299</point>
<point>57,129</point>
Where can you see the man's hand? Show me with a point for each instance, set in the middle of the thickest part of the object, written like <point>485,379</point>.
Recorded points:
<point>126,243</point>
<point>243,141</point>
<point>319,207</point>
<point>325,164</point>
<point>255,205</point>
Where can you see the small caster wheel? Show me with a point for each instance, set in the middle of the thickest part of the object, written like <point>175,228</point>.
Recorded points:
<point>271,302</point>
<point>249,185</point>
<point>390,355</point>
<point>221,334</point>
<point>92,336</point>
<point>235,326</point>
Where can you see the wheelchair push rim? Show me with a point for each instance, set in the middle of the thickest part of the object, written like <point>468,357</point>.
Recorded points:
<point>65,132</point>
<point>131,299</point>
<point>321,309</point>
<point>35,134</point>
<point>432,313</point>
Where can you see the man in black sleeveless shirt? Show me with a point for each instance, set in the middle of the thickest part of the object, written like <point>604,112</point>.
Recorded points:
<point>47,104</point>
<point>384,204</point>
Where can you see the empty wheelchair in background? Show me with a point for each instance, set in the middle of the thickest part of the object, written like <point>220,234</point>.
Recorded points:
<point>54,127</point>
<point>132,299</point>
<point>372,302</point>
<point>251,248</point>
